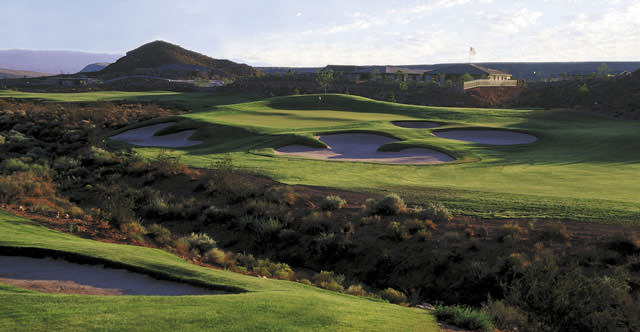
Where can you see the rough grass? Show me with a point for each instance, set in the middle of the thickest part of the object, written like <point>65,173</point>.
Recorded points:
<point>582,167</point>
<point>269,305</point>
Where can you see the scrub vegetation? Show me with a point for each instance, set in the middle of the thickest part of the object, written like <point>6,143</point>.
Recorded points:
<point>386,234</point>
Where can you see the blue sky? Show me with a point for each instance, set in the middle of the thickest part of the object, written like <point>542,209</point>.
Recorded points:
<point>315,33</point>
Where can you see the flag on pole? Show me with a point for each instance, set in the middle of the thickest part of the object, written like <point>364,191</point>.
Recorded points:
<point>472,51</point>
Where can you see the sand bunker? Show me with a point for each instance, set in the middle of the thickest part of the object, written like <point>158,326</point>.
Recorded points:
<point>488,136</point>
<point>416,124</point>
<point>145,137</point>
<point>364,147</point>
<point>58,276</point>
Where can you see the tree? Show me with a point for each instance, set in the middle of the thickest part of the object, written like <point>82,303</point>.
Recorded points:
<point>391,96</point>
<point>603,69</point>
<point>465,78</point>
<point>375,75</point>
<point>324,79</point>
<point>402,75</point>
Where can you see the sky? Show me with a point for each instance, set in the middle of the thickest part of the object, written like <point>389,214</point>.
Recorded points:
<point>316,33</point>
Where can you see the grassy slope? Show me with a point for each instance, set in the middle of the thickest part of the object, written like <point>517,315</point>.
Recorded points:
<point>582,167</point>
<point>269,305</point>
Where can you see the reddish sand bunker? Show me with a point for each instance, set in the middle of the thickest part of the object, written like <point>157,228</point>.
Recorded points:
<point>416,124</point>
<point>58,276</point>
<point>145,137</point>
<point>491,137</point>
<point>364,147</point>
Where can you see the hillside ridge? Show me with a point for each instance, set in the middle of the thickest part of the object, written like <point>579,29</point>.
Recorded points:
<point>168,60</point>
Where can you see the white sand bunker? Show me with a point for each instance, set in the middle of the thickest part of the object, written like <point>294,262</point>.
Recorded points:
<point>416,124</point>
<point>51,275</point>
<point>364,147</point>
<point>489,136</point>
<point>145,137</point>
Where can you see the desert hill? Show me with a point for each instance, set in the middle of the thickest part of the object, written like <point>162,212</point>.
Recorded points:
<point>163,59</point>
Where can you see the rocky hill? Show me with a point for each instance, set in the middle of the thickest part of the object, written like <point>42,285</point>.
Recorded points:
<point>167,60</point>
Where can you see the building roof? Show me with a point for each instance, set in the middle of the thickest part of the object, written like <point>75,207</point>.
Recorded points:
<point>467,69</point>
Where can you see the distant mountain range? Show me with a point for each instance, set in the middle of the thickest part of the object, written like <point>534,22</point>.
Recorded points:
<point>11,73</point>
<point>54,62</point>
<point>162,59</point>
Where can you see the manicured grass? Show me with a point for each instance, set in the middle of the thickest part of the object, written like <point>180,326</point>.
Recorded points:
<point>269,305</point>
<point>193,100</point>
<point>581,168</point>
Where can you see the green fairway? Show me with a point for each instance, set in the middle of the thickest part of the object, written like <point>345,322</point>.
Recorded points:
<point>581,168</point>
<point>268,305</point>
<point>194,100</point>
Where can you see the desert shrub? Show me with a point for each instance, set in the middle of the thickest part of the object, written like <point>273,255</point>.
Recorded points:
<point>168,165</point>
<point>201,242</point>
<point>516,262</point>
<point>213,214</point>
<point>260,208</point>
<point>11,165</point>
<point>390,205</point>
<point>624,243</point>
<point>282,271</point>
<point>264,230</point>
<point>159,234</point>
<point>369,206</point>
<point>134,230</point>
<point>329,280</point>
<point>155,205</point>
<point>305,281</point>
<point>267,268</point>
<point>65,163</point>
<point>263,267</point>
<point>20,187</point>
<point>423,235</point>
<point>414,225</point>
<point>235,185</point>
<point>315,223</point>
<point>356,290</point>
<point>393,296</point>
<point>332,202</point>
<point>370,219</point>
<point>568,299</point>
<point>509,233</point>
<point>464,317</point>
<point>95,155</point>
<point>289,236</point>
<point>435,211</point>
<point>246,260</point>
<point>215,256</point>
<point>506,317</point>
<point>556,231</point>
<point>281,195</point>
<point>395,231</point>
